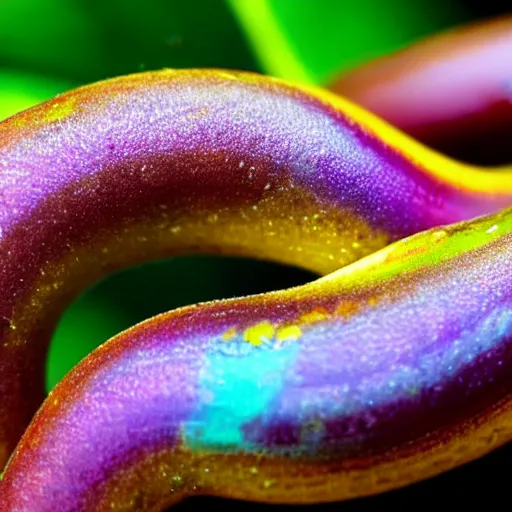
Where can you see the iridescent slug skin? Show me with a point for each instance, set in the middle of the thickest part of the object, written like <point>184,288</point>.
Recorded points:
<point>150,165</point>
<point>390,370</point>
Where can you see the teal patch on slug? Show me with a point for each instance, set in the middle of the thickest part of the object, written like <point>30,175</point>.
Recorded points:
<point>237,383</point>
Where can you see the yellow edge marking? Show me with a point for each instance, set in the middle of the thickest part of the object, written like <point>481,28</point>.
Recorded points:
<point>495,180</point>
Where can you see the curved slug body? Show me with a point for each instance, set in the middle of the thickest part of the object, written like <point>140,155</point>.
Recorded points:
<point>150,165</point>
<point>388,371</point>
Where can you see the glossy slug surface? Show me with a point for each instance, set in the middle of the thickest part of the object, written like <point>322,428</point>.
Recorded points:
<point>388,371</point>
<point>150,165</point>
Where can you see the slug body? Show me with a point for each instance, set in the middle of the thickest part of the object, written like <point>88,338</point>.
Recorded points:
<point>240,398</point>
<point>388,371</point>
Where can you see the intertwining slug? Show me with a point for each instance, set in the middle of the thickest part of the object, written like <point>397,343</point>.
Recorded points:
<point>387,371</point>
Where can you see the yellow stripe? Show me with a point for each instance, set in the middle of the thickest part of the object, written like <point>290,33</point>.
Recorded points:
<point>495,180</point>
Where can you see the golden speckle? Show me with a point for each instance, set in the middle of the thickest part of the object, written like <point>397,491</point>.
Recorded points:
<point>288,333</point>
<point>60,110</point>
<point>372,301</point>
<point>439,235</point>
<point>259,333</point>
<point>317,315</point>
<point>229,334</point>
<point>347,308</point>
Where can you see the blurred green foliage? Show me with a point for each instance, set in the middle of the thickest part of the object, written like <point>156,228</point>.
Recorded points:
<point>19,91</point>
<point>48,46</point>
<point>328,36</point>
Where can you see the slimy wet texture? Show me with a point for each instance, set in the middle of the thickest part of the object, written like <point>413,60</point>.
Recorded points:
<point>379,374</point>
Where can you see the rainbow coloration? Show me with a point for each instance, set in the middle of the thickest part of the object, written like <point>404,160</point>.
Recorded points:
<point>382,373</point>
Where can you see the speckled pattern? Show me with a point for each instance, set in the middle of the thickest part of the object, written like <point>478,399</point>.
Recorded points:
<point>387,371</point>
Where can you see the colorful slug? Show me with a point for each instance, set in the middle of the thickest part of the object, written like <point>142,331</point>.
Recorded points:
<point>385,372</point>
<point>254,397</point>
